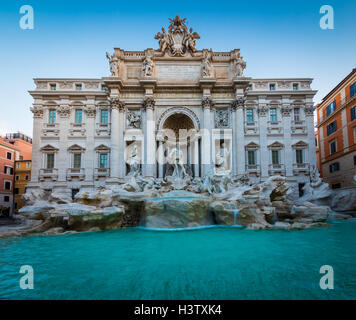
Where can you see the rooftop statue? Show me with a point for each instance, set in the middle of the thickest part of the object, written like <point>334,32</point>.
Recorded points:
<point>179,41</point>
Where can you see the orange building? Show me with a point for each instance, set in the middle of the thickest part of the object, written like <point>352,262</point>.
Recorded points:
<point>336,135</point>
<point>22,178</point>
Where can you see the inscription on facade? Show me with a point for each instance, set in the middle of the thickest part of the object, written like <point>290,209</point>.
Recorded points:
<point>178,72</point>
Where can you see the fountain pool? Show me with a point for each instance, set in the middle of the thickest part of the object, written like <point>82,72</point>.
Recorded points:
<point>211,263</point>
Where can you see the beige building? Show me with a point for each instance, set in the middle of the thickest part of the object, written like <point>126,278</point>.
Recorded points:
<point>169,107</point>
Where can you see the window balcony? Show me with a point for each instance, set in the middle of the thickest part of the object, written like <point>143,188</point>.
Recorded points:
<point>101,173</point>
<point>50,129</point>
<point>300,168</point>
<point>299,127</point>
<point>253,168</point>
<point>274,127</point>
<point>276,169</point>
<point>77,130</point>
<point>48,174</point>
<point>77,173</point>
<point>251,128</point>
<point>103,129</point>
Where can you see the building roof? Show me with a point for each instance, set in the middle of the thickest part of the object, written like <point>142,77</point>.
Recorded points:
<point>339,85</point>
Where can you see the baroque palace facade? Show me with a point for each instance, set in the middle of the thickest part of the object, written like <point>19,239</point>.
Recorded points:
<point>173,105</point>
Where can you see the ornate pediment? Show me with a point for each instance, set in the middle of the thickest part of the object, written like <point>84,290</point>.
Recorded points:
<point>102,148</point>
<point>300,145</point>
<point>276,145</point>
<point>178,41</point>
<point>252,146</point>
<point>49,148</point>
<point>76,148</point>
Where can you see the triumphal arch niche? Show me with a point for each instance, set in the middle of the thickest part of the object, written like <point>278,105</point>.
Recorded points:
<point>174,108</point>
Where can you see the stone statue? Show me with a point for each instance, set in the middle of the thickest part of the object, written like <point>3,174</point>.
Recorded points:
<point>134,161</point>
<point>206,66</point>
<point>176,160</point>
<point>147,67</point>
<point>179,41</point>
<point>114,65</point>
<point>239,66</point>
<point>221,160</point>
<point>315,180</point>
<point>133,120</point>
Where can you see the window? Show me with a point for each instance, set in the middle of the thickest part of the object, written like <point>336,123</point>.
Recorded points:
<point>272,87</point>
<point>74,192</point>
<point>273,114</point>
<point>18,165</point>
<point>8,155</point>
<point>103,160</point>
<point>251,157</point>
<point>330,108</point>
<point>17,178</point>
<point>249,115</point>
<point>336,185</point>
<point>316,142</point>
<point>26,178</point>
<point>16,205</point>
<point>355,160</point>
<point>8,170</point>
<point>78,87</point>
<point>331,128</point>
<point>53,87</point>
<point>104,116</point>
<point>6,199</point>
<point>78,115</point>
<point>275,157</point>
<point>353,89</point>
<point>334,167</point>
<point>332,146</point>
<point>50,161</point>
<point>21,157</point>
<point>52,116</point>
<point>296,113</point>
<point>77,157</point>
<point>249,88</point>
<point>353,113</point>
<point>28,165</point>
<point>103,88</point>
<point>17,191</point>
<point>299,156</point>
<point>7,185</point>
<point>295,86</point>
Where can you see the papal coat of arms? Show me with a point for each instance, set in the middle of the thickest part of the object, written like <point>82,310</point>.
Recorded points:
<point>178,41</point>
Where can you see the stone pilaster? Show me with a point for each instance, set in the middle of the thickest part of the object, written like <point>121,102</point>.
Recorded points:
<point>289,155</point>
<point>309,119</point>
<point>239,134</point>
<point>89,155</point>
<point>207,104</point>
<point>63,163</point>
<point>262,115</point>
<point>37,111</point>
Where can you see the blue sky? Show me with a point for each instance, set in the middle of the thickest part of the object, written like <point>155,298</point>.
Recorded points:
<point>70,38</point>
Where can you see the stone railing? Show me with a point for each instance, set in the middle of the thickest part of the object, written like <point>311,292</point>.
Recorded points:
<point>101,173</point>
<point>274,127</point>
<point>276,169</point>
<point>253,168</point>
<point>77,129</point>
<point>103,129</point>
<point>298,127</point>
<point>50,129</point>
<point>251,127</point>
<point>75,173</point>
<point>48,174</point>
<point>300,168</point>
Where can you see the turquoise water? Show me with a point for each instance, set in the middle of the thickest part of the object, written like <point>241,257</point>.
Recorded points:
<point>214,263</point>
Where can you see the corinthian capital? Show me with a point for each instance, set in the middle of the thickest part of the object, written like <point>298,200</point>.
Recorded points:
<point>309,110</point>
<point>90,110</point>
<point>238,103</point>
<point>117,104</point>
<point>37,111</point>
<point>207,102</point>
<point>149,103</point>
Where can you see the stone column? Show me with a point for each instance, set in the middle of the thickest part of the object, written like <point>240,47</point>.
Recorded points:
<point>207,104</point>
<point>63,162</point>
<point>309,115</point>
<point>262,114</point>
<point>196,157</point>
<point>160,158</point>
<point>89,155</point>
<point>234,139</point>
<point>37,111</point>
<point>116,104</point>
<point>149,105</point>
<point>289,155</point>
<point>122,164</point>
<point>239,134</point>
